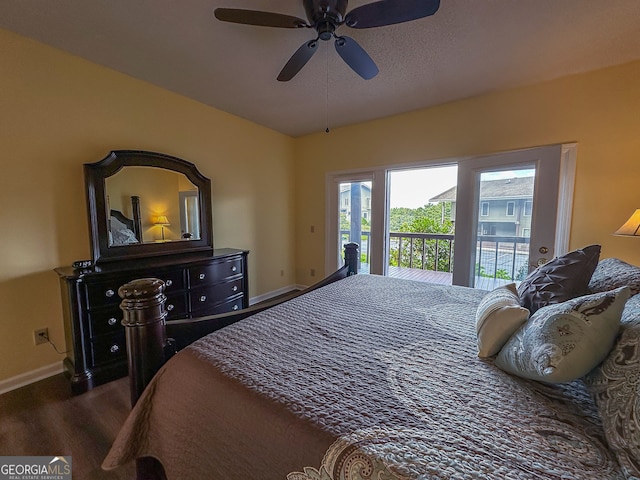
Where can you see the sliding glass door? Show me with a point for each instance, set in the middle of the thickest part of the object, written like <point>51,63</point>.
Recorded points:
<point>507,208</point>
<point>420,223</point>
<point>355,220</point>
<point>500,217</point>
<point>353,217</point>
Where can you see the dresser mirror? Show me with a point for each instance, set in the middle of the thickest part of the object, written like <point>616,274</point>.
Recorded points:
<point>143,204</point>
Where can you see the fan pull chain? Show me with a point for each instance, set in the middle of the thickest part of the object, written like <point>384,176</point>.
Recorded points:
<point>327,88</point>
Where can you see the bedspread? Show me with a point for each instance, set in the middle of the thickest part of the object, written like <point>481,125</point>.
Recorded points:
<point>369,377</point>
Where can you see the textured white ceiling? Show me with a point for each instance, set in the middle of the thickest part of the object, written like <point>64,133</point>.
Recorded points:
<point>469,47</point>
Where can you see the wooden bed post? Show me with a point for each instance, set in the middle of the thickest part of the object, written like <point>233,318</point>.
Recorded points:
<point>144,321</point>
<point>351,258</point>
<point>137,219</point>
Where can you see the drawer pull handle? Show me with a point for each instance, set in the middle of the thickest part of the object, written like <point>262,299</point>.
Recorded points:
<point>235,307</point>
<point>234,268</point>
<point>112,321</point>
<point>170,307</point>
<point>203,298</point>
<point>169,282</point>
<point>114,348</point>
<point>109,293</point>
<point>201,276</point>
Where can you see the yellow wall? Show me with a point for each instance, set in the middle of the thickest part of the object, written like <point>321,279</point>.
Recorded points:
<point>598,110</point>
<point>57,112</point>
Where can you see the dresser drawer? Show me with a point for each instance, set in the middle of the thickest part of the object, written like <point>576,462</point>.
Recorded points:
<point>106,321</point>
<point>230,306</point>
<point>176,305</point>
<point>214,272</point>
<point>109,320</point>
<point>173,279</point>
<point>108,349</point>
<point>106,292</point>
<point>205,298</point>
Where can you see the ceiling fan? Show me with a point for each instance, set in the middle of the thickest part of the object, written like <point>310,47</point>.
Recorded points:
<point>325,16</point>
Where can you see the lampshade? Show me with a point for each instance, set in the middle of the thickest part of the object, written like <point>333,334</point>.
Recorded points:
<point>161,220</point>
<point>631,226</point>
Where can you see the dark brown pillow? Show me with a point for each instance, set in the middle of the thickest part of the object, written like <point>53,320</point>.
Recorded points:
<point>559,280</point>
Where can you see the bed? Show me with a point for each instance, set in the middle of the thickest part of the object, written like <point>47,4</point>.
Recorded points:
<point>124,230</point>
<point>371,377</point>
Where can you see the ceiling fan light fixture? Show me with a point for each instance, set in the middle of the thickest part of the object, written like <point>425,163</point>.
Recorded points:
<point>326,30</point>
<point>325,16</point>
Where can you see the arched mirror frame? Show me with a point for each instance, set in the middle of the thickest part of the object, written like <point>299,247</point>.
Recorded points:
<point>95,175</point>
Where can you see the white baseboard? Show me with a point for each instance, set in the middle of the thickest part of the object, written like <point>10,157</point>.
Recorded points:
<point>30,377</point>
<point>274,293</point>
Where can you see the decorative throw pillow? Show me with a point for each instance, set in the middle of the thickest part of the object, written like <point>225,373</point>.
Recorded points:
<point>614,273</point>
<point>615,386</point>
<point>124,237</point>
<point>498,316</point>
<point>565,341</point>
<point>561,279</point>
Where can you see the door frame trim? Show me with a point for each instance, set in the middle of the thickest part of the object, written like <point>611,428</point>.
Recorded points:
<point>333,179</point>
<point>568,157</point>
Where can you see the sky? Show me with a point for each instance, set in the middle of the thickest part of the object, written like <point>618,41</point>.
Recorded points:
<point>413,188</point>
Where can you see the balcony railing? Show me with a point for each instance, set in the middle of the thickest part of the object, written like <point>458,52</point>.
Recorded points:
<point>365,245</point>
<point>429,257</point>
<point>502,257</point>
<point>424,251</point>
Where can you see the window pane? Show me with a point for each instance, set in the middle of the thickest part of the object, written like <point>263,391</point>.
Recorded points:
<point>355,215</point>
<point>502,249</point>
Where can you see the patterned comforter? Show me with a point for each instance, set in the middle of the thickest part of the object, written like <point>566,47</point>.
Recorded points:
<point>369,377</point>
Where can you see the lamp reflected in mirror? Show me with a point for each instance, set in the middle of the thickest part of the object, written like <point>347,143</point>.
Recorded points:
<point>631,227</point>
<point>162,221</point>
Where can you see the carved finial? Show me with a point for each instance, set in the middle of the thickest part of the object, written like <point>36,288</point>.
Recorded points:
<point>351,257</point>
<point>140,296</point>
<point>141,288</point>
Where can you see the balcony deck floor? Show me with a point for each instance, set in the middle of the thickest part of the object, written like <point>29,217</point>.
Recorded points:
<point>442,278</point>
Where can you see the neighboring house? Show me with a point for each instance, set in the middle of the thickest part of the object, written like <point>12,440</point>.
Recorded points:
<point>504,209</point>
<point>365,199</point>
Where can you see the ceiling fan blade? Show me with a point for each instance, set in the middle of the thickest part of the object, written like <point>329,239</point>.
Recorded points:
<point>261,19</point>
<point>355,56</point>
<point>298,60</point>
<point>389,12</point>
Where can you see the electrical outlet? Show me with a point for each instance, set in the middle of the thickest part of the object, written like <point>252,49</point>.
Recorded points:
<point>312,272</point>
<point>41,336</point>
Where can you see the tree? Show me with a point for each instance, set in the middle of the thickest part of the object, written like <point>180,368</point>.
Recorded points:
<point>421,252</point>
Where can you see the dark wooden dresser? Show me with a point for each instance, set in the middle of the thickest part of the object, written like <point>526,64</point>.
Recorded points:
<point>196,284</point>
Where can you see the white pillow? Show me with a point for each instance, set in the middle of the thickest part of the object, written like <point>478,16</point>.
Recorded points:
<point>498,317</point>
<point>565,341</point>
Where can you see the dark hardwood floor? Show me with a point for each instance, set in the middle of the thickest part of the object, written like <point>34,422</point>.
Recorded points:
<point>44,419</point>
